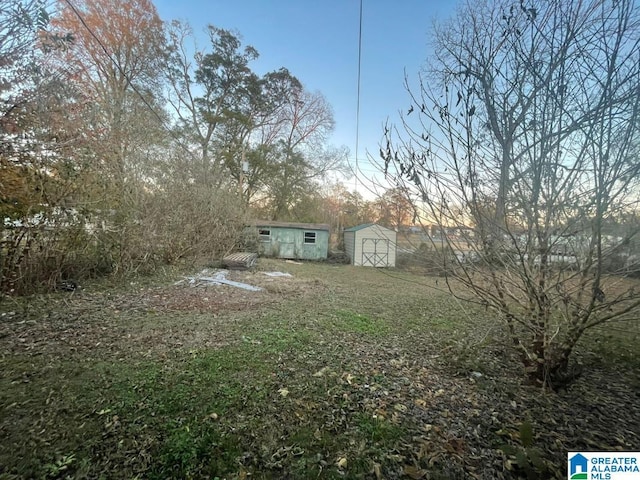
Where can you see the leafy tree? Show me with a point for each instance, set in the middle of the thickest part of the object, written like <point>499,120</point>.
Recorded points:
<point>115,56</point>
<point>218,90</point>
<point>395,209</point>
<point>19,25</point>
<point>249,135</point>
<point>41,127</point>
<point>528,131</point>
<point>264,133</point>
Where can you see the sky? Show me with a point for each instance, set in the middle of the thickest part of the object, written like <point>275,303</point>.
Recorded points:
<point>318,42</point>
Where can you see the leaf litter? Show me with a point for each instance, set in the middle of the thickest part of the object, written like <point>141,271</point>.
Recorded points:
<point>417,402</point>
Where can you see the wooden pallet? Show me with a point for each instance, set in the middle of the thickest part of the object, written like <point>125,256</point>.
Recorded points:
<point>240,260</point>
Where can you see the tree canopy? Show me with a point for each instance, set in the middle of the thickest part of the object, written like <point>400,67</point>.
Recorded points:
<point>124,139</point>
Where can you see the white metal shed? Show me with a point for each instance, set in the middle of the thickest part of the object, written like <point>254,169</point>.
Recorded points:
<point>370,245</point>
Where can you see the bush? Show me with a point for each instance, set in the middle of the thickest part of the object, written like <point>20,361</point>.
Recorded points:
<point>338,257</point>
<point>193,223</point>
<point>427,260</point>
<point>35,258</point>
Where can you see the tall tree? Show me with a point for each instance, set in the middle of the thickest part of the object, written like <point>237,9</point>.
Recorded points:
<point>294,175</point>
<point>215,89</point>
<point>249,134</point>
<point>265,133</point>
<point>530,114</point>
<point>116,55</point>
<point>299,155</point>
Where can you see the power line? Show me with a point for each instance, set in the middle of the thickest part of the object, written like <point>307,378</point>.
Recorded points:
<point>358,96</point>
<point>129,82</point>
<point>117,65</point>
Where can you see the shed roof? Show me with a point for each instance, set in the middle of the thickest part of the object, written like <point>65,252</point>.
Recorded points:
<point>365,225</point>
<point>301,226</point>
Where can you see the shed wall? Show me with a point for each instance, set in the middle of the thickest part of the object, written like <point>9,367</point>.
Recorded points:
<point>349,240</point>
<point>288,242</point>
<point>365,239</point>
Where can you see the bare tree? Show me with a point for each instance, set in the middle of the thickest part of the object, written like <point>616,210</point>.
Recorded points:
<point>523,134</point>
<point>300,156</point>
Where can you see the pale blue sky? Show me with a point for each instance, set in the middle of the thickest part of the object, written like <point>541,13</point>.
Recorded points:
<point>318,42</point>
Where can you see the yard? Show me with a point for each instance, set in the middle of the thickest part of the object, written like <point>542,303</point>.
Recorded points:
<point>335,372</point>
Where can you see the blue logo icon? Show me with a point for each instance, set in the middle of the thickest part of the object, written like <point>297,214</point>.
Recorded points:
<point>578,467</point>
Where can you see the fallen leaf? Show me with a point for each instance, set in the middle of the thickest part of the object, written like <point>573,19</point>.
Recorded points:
<point>400,408</point>
<point>342,462</point>
<point>456,445</point>
<point>321,372</point>
<point>284,392</point>
<point>414,472</point>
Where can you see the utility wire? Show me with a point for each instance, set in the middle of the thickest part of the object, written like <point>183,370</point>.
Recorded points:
<point>358,97</point>
<point>117,65</point>
<point>124,74</point>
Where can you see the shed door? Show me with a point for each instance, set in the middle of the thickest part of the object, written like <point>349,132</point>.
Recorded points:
<point>375,252</point>
<point>287,244</point>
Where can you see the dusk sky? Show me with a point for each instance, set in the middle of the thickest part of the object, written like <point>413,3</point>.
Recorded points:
<point>318,42</point>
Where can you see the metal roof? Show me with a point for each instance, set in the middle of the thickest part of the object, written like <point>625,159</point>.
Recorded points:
<point>365,225</point>
<point>301,226</point>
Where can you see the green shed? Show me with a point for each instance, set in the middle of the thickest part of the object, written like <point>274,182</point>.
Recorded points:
<point>302,241</point>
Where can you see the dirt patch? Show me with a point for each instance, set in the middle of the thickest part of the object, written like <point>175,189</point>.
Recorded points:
<point>135,320</point>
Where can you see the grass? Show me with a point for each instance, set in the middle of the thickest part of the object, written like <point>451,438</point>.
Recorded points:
<point>344,320</point>
<point>613,344</point>
<point>343,372</point>
<point>377,430</point>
